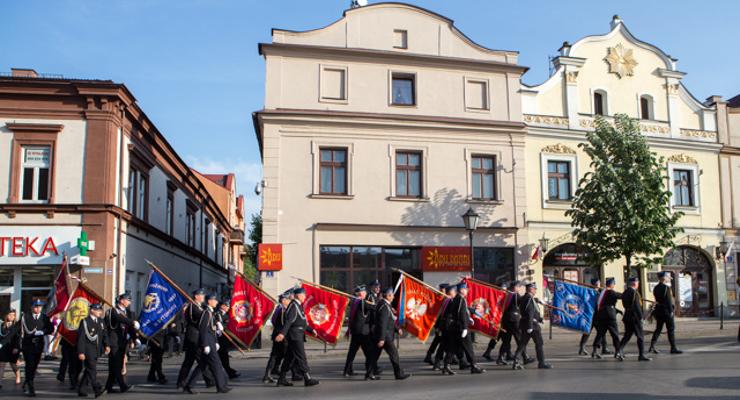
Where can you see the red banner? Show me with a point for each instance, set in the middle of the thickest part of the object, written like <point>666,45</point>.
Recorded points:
<point>325,311</point>
<point>419,307</point>
<point>269,257</point>
<point>77,310</point>
<point>250,308</point>
<point>445,258</point>
<point>60,297</point>
<point>487,304</point>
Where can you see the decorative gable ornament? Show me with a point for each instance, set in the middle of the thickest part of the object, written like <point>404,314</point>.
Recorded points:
<point>621,61</point>
<point>558,149</point>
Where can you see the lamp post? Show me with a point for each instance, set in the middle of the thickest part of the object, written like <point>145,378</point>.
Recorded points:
<point>544,242</point>
<point>722,253</point>
<point>471,218</point>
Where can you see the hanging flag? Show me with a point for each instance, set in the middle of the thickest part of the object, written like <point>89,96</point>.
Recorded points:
<point>487,305</point>
<point>574,306</point>
<point>78,308</point>
<point>325,309</point>
<point>537,253</point>
<point>59,295</point>
<point>250,309</point>
<point>418,306</point>
<point>162,302</point>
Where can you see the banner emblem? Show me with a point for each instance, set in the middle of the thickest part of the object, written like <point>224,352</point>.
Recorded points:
<point>151,302</point>
<point>416,308</point>
<point>78,310</point>
<point>242,311</point>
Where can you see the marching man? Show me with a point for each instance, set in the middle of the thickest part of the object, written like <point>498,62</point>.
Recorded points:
<point>664,313</point>
<point>385,330</point>
<point>121,328</point>
<point>33,329</point>
<point>294,331</point>
<point>530,328</point>
<point>91,341</point>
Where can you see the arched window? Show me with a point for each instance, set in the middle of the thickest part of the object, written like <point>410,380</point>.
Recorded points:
<point>599,102</point>
<point>646,107</point>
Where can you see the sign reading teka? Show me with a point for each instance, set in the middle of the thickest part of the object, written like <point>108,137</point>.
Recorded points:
<point>36,245</point>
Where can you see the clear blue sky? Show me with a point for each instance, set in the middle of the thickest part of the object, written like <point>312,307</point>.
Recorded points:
<point>194,68</point>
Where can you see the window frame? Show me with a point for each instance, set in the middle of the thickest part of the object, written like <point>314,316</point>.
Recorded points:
<point>316,147</point>
<point>135,197</point>
<point>327,99</point>
<point>473,80</point>
<point>424,150</point>
<point>559,176</point>
<point>650,107</point>
<point>333,165</point>
<point>470,156</point>
<point>545,158</point>
<point>408,169</point>
<point>170,209</point>
<point>24,134</point>
<point>604,102</point>
<point>412,76</point>
<point>695,187</point>
<point>36,177</point>
<point>191,212</point>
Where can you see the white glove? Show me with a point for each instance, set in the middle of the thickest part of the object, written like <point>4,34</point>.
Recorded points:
<point>39,333</point>
<point>136,325</point>
<point>219,326</point>
<point>1,346</point>
<point>464,333</point>
<point>177,339</point>
<point>218,347</point>
<point>207,350</point>
<point>138,342</point>
<point>530,330</point>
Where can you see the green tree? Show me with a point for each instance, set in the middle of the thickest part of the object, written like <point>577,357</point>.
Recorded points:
<point>255,238</point>
<point>621,208</point>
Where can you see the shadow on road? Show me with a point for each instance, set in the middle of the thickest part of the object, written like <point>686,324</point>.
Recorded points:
<point>715,382</point>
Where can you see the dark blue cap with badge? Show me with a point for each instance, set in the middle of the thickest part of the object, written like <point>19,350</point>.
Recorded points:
<point>374,283</point>
<point>462,285</point>
<point>96,306</point>
<point>299,290</point>
<point>211,296</point>
<point>531,285</point>
<point>633,279</point>
<point>360,288</point>
<point>610,281</point>
<point>443,286</point>
<point>124,296</point>
<point>199,292</point>
<point>595,281</point>
<point>38,303</point>
<point>387,291</point>
<point>662,274</point>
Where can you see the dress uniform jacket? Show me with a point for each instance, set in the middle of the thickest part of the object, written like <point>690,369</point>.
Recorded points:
<point>32,343</point>
<point>10,342</point>
<point>91,338</point>
<point>665,306</point>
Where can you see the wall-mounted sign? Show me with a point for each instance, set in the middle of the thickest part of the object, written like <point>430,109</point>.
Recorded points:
<point>270,257</point>
<point>567,255</point>
<point>445,258</point>
<point>26,245</point>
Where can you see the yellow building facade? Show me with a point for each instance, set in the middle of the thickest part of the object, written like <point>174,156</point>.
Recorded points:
<point>605,75</point>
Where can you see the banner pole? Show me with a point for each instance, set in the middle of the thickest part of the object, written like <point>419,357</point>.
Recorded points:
<point>418,281</point>
<point>328,289</point>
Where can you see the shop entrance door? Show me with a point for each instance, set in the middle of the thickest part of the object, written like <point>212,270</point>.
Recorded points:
<point>692,281</point>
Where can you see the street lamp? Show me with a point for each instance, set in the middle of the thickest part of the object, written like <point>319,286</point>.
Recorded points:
<point>544,242</point>
<point>471,218</point>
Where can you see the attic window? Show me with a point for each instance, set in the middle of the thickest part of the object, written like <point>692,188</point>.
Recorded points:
<point>400,39</point>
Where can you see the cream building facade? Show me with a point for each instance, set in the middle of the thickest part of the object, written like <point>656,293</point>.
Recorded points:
<point>378,132</point>
<point>618,73</point>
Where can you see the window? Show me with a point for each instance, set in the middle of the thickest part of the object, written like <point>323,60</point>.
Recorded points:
<point>333,83</point>
<point>400,39</point>
<point>558,180</point>
<point>599,103</point>
<point>170,212</point>
<point>476,94</point>
<point>333,177</point>
<point>483,174</point>
<point>494,264</point>
<point>646,107</point>
<point>403,89</point>
<point>137,193</point>
<point>683,188</point>
<point>408,174</point>
<point>206,238</point>
<point>190,224</point>
<point>344,267</point>
<point>35,174</point>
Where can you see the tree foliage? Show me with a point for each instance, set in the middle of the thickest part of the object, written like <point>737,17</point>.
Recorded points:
<point>255,238</point>
<point>621,207</point>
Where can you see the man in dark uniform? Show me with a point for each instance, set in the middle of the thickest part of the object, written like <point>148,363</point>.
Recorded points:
<point>224,345</point>
<point>457,316</point>
<point>294,331</point>
<point>359,330</point>
<point>277,353</point>
<point>382,337</point>
<point>606,318</point>
<point>207,353</point>
<point>34,327</point>
<point>157,344</point>
<point>596,282</point>
<point>91,341</point>
<point>530,329</point>
<point>632,303</point>
<point>69,364</point>
<point>664,313</point>
<point>437,341</point>
<point>374,295</point>
<point>121,328</point>
<point>192,314</point>
<point>444,332</point>
<point>510,325</point>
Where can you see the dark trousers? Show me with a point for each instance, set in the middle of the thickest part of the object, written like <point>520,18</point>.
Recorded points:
<point>601,329</point>
<point>536,336</point>
<point>670,326</point>
<point>223,355</point>
<point>277,354</point>
<point>390,349</point>
<point>115,368</point>
<point>356,343</point>
<point>32,359</point>
<point>191,354</point>
<point>633,328</point>
<point>490,348</point>
<point>585,336</point>
<point>458,345</point>
<point>295,358</point>
<point>206,362</point>
<point>510,331</point>
<point>89,376</point>
<point>155,367</point>
<point>436,342</point>
<point>69,364</point>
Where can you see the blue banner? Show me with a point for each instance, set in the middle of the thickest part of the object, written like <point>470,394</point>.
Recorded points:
<point>575,306</point>
<point>161,305</point>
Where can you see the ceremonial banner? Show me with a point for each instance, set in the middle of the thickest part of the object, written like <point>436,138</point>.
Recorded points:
<point>325,311</point>
<point>59,296</point>
<point>77,310</point>
<point>162,302</point>
<point>250,309</point>
<point>487,304</point>
<point>418,306</point>
<point>574,306</point>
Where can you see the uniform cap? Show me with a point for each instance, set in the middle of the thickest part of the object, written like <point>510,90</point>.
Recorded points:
<point>199,291</point>
<point>515,284</point>
<point>96,306</point>
<point>451,288</point>
<point>462,285</point>
<point>124,296</point>
<point>443,286</point>
<point>531,285</point>
<point>299,290</point>
<point>662,274</point>
<point>374,283</point>
<point>633,279</point>
<point>610,281</point>
<point>594,281</point>
<point>211,296</point>
<point>360,288</point>
<point>38,303</point>
<point>388,290</point>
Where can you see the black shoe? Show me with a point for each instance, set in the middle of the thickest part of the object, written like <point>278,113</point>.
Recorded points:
<point>516,366</point>
<point>187,389</point>
<point>619,356</point>
<point>487,356</point>
<point>100,393</point>
<point>606,352</point>
<point>162,381</point>
<point>126,388</point>
<point>31,390</point>
<point>428,359</point>
<point>282,381</point>
<point>402,376</point>
<point>676,350</point>
<point>643,358</point>
<point>224,390</point>
<point>371,377</point>
<point>378,371</point>
<point>296,378</point>
<point>436,366</point>
<point>476,369</point>
<point>310,382</point>
<point>151,379</point>
<point>582,352</point>
<point>349,374</point>
<point>268,379</point>
<point>509,357</point>
<point>595,355</point>
<point>446,370</point>
<point>464,366</point>
<point>80,394</point>
<point>60,378</point>
<point>544,366</point>
<point>500,361</point>
<point>529,360</point>
<point>653,349</point>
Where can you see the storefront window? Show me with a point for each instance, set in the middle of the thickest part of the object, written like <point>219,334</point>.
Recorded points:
<point>494,265</point>
<point>38,277</point>
<point>344,267</point>
<point>6,276</point>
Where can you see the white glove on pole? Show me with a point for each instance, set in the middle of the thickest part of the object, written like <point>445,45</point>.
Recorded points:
<point>207,350</point>
<point>136,325</point>
<point>39,333</point>
<point>218,347</point>
<point>138,342</point>
<point>464,333</point>
<point>219,326</point>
